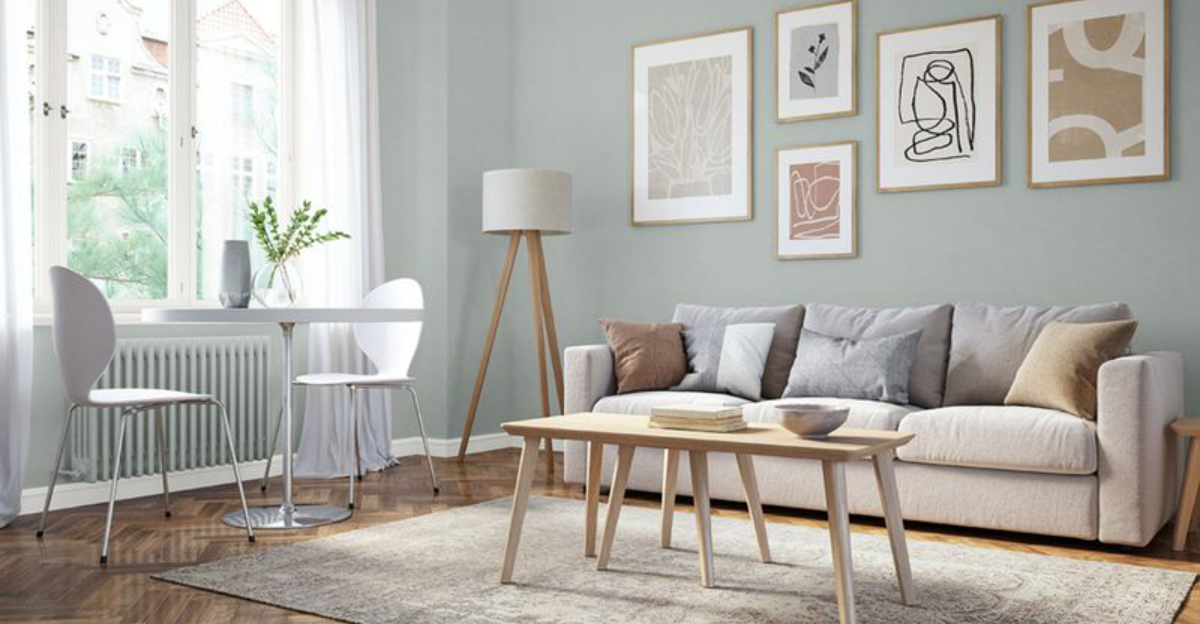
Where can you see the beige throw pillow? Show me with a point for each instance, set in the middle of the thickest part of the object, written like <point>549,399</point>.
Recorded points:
<point>647,356</point>
<point>1061,368</point>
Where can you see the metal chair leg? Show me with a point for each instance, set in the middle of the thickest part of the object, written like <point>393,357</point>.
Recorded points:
<point>424,440</point>
<point>356,473</point>
<point>112,492</point>
<point>274,445</point>
<point>62,446</point>
<point>237,477</point>
<point>160,430</point>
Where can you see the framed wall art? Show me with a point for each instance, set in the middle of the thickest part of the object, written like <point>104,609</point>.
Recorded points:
<point>692,129</point>
<point>939,106</point>
<point>1098,92</point>
<point>815,201</point>
<point>816,63</point>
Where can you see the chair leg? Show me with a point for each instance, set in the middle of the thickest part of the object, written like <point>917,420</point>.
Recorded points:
<point>160,431</point>
<point>271,455</point>
<point>356,473</point>
<point>62,445</point>
<point>112,492</point>
<point>237,476</point>
<point>424,439</point>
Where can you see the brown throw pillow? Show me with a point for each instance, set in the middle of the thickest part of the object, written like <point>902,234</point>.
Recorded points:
<point>1061,368</point>
<point>648,356</point>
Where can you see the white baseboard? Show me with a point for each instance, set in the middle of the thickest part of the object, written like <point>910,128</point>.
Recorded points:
<point>68,495</point>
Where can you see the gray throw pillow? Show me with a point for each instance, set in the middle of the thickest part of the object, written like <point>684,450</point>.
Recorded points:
<point>728,359</point>
<point>873,369</point>
<point>787,320</point>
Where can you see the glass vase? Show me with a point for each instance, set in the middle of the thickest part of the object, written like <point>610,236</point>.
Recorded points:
<point>278,285</point>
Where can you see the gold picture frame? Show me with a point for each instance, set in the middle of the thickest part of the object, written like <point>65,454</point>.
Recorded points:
<point>852,82</point>
<point>740,177</point>
<point>851,216</point>
<point>1165,138</point>
<point>984,176</point>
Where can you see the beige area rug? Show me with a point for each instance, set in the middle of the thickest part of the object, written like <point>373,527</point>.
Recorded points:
<point>444,568</point>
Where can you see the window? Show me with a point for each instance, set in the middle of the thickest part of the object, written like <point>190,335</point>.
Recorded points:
<point>242,107</point>
<point>272,179</point>
<point>106,78</point>
<point>79,160</point>
<point>151,187</point>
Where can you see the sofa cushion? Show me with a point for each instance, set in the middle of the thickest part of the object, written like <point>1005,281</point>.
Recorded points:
<point>727,359</point>
<point>928,371</point>
<point>988,344</point>
<point>1024,439</point>
<point>863,414</point>
<point>646,356</point>
<point>1062,367</point>
<point>640,403</point>
<point>787,320</point>
<point>874,369</point>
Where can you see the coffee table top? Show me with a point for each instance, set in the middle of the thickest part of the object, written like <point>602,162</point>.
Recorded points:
<point>757,439</point>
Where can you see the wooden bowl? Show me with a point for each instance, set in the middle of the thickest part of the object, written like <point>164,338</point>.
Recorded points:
<point>811,421</point>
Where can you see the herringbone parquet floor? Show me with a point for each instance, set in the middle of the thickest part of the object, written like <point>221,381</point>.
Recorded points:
<point>59,580</point>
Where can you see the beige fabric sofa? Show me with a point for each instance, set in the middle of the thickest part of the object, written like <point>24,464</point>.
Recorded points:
<point>973,461</point>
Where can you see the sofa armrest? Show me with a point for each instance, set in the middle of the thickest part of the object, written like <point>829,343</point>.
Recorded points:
<point>1139,397</point>
<point>589,377</point>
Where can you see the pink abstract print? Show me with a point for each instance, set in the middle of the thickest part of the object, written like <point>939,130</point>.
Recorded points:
<point>815,201</point>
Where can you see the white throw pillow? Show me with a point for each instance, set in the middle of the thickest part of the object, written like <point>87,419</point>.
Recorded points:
<point>727,358</point>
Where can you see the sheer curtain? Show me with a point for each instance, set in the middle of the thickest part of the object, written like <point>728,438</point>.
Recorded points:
<point>337,166</point>
<point>15,252</point>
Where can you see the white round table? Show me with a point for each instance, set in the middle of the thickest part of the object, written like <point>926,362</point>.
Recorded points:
<point>286,515</point>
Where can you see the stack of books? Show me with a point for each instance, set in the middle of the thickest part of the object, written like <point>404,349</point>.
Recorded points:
<point>715,418</point>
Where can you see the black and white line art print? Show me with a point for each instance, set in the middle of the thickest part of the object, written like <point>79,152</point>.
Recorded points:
<point>937,103</point>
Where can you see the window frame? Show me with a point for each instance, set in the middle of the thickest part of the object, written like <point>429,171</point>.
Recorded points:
<point>52,146</point>
<point>105,74</point>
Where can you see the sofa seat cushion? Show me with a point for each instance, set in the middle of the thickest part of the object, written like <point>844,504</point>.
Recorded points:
<point>863,414</point>
<point>640,403</point>
<point>1024,439</point>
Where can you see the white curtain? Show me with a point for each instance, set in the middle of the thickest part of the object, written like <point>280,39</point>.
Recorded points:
<point>337,167</point>
<point>15,253</point>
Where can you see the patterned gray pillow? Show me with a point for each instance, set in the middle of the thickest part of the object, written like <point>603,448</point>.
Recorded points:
<point>873,369</point>
<point>727,359</point>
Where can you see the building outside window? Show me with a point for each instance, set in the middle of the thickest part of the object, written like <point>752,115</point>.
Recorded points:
<point>106,78</point>
<point>79,160</point>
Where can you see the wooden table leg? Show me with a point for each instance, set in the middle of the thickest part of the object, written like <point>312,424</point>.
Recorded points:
<point>889,498</point>
<point>1187,502</point>
<point>839,537</point>
<point>528,466</point>
<point>670,479</point>
<point>594,463</point>
<point>698,461</point>
<point>750,487</point>
<point>616,497</point>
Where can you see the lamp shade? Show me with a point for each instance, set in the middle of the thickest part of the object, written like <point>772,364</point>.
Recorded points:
<point>527,199</point>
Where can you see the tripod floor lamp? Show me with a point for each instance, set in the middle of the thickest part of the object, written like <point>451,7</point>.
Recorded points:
<point>525,203</point>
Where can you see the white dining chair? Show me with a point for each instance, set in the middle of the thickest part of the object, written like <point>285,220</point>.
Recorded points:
<point>391,348</point>
<point>84,342</point>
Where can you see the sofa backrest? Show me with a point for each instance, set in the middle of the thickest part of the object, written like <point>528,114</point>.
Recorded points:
<point>989,342</point>
<point>787,320</point>
<point>928,376</point>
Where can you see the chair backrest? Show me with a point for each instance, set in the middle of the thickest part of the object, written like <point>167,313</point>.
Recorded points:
<point>84,335</point>
<point>391,346</point>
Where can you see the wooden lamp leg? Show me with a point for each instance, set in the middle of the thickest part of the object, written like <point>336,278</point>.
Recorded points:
<point>535,249</point>
<point>539,338</point>
<point>514,243</point>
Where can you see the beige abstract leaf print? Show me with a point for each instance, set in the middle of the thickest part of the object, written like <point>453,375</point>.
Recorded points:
<point>1095,76</point>
<point>815,201</point>
<point>691,129</point>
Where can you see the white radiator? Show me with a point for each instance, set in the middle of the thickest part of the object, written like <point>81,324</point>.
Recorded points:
<point>233,369</point>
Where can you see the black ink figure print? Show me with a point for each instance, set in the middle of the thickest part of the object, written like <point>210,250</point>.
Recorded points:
<point>819,52</point>
<point>937,103</point>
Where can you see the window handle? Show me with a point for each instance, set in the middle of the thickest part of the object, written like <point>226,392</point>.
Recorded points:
<point>45,109</point>
<point>63,111</point>
<point>195,132</point>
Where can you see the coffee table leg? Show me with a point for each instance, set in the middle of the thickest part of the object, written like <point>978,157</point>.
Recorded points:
<point>616,497</point>
<point>698,461</point>
<point>839,537</point>
<point>595,463</point>
<point>670,479</point>
<point>889,497</point>
<point>529,454</point>
<point>750,487</point>
<point>1187,502</point>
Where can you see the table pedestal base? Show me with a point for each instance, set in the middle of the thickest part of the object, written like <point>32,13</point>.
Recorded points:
<point>303,516</point>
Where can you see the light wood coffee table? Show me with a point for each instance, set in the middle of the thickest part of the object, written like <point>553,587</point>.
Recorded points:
<point>630,432</point>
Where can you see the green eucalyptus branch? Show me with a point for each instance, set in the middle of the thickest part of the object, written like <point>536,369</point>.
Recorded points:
<point>300,232</point>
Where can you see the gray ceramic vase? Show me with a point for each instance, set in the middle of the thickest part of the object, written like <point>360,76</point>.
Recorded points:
<point>235,274</point>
